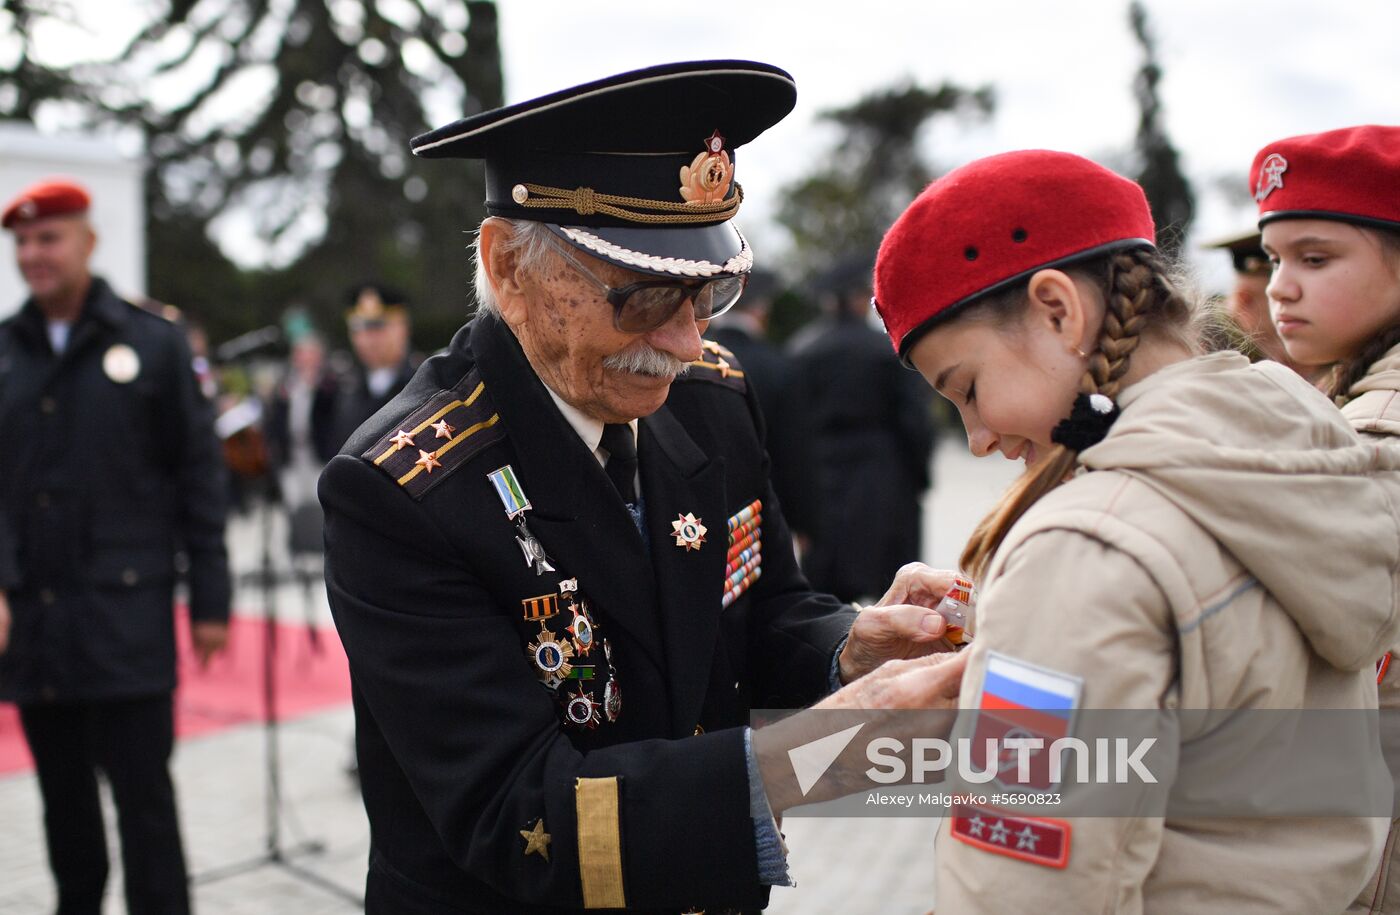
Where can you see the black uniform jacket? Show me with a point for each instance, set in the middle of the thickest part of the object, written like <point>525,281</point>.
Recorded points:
<point>463,749</point>
<point>108,467</point>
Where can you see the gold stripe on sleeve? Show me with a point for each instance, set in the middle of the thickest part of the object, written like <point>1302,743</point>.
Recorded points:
<point>599,843</point>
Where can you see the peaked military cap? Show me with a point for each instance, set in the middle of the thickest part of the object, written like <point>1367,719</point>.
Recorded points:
<point>637,169</point>
<point>1246,251</point>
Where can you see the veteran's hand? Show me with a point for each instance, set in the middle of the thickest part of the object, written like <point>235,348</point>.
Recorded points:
<point>902,625</point>
<point>885,703</point>
<point>209,637</point>
<point>4,622</point>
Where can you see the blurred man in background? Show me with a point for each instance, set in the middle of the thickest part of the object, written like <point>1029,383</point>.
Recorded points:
<point>379,333</point>
<point>109,466</point>
<point>873,443</point>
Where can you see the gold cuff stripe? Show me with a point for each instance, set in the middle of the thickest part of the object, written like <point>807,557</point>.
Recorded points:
<point>599,843</point>
<point>456,440</point>
<point>585,201</point>
<point>471,399</point>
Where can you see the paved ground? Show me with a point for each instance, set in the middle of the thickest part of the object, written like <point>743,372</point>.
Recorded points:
<point>841,865</point>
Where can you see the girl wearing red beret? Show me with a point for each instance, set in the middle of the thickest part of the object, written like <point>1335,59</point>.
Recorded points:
<point>1329,208</point>
<point>1188,532</point>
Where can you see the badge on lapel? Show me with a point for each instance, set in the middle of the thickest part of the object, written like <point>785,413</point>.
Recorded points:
<point>744,562</point>
<point>688,531</point>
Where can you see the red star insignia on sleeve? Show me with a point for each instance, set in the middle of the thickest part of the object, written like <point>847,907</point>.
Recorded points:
<point>402,439</point>
<point>427,460</point>
<point>443,429</point>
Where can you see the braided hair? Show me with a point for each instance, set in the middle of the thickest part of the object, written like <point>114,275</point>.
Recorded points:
<point>1140,295</point>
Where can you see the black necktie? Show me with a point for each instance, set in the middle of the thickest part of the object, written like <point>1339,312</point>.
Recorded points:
<point>622,460</point>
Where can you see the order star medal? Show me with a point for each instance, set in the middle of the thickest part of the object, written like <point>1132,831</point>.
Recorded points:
<point>513,498</point>
<point>551,655</point>
<point>688,531</point>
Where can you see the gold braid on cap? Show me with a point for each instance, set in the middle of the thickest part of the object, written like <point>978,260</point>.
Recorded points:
<point>585,201</point>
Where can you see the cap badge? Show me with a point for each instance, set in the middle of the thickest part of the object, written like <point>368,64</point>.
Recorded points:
<point>28,210</point>
<point>1270,176</point>
<point>688,531</point>
<point>706,179</point>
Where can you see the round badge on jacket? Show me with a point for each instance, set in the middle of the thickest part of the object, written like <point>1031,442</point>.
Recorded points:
<point>121,363</point>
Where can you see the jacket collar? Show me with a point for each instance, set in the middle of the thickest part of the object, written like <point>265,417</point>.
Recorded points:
<point>100,306</point>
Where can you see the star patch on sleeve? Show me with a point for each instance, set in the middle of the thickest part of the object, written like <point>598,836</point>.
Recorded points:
<point>1038,840</point>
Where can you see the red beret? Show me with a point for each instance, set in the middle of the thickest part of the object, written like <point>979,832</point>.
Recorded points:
<point>47,198</point>
<point>1351,174</point>
<point>986,225</point>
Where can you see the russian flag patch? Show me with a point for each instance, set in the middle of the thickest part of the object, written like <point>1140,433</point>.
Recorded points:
<point>1021,700</point>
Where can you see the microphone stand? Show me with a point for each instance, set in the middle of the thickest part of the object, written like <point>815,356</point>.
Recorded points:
<point>274,853</point>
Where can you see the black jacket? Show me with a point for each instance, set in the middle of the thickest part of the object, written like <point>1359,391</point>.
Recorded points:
<point>461,746</point>
<point>873,439</point>
<point>108,467</point>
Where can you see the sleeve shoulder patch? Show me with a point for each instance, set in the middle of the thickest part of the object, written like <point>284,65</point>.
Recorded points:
<point>717,365</point>
<point>440,436</point>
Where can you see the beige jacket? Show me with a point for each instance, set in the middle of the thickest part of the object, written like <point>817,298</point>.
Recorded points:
<point>1374,412</point>
<point>1181,570</point>
<point>1374,405</point>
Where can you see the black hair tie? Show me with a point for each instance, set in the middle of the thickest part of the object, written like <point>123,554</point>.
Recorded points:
<point>1093,415</point>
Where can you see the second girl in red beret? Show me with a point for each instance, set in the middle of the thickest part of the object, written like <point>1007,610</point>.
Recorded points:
<point>1329,207</point>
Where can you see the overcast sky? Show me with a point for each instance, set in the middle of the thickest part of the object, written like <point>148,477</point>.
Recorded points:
<point>1237,74</point>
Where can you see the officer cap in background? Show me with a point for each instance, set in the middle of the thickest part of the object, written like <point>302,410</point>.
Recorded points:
<point>1246,252</point>
<point>371,304</point>
<point>637,169</point>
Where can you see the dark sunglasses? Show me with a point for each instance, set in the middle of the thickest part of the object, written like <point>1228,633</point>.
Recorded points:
<point>642,307</point>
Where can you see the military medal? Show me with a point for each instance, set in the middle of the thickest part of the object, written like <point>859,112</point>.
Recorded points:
<point>540,608</point>
<point>612,700</point>
<point>508,488</point>
<point>612,693</point>
<point>533,549</point>
<point>744,561</point>
<point>551,656</point>
<point>582,630</point>
<point>688,531</point>
<point>512,496</point>
<point>581,710</point>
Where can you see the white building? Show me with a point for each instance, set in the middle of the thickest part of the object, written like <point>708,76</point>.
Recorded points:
<point>118,210</point>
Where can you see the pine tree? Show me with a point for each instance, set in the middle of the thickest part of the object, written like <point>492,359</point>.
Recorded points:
<point>1159,167</point>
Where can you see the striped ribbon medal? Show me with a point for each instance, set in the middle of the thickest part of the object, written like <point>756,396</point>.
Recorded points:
<point>516,503</point>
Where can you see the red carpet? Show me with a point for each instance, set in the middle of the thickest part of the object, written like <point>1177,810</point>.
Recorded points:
<point>230,691</point>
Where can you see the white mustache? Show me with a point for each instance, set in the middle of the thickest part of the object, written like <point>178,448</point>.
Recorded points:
<point>643,359</point>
